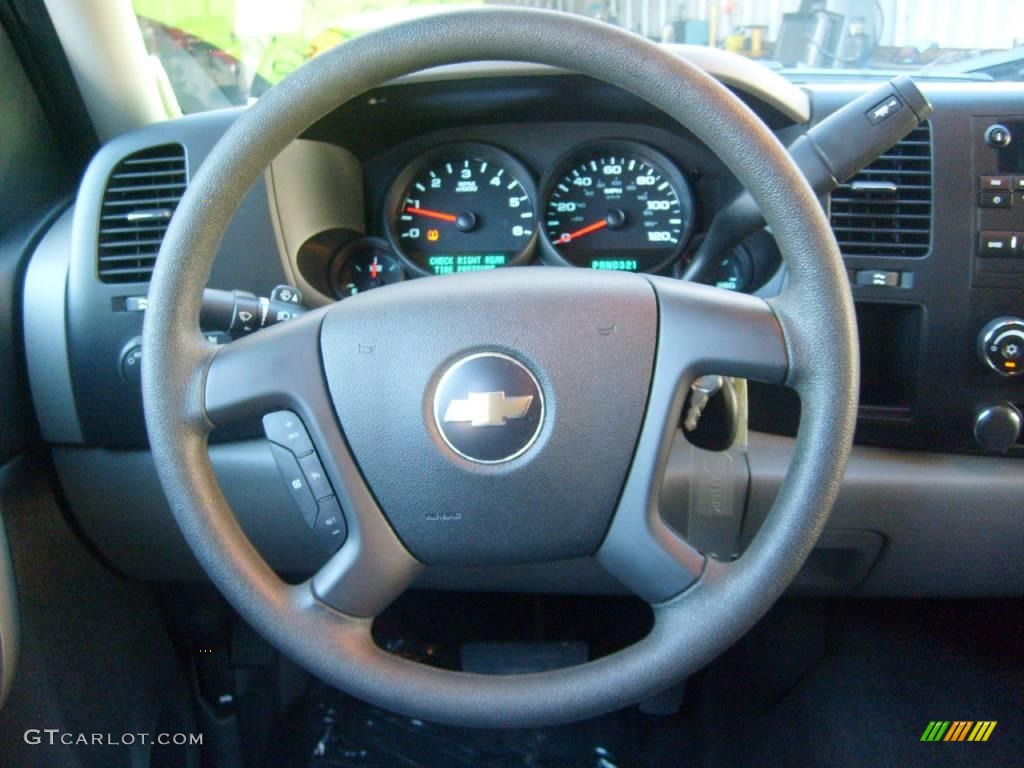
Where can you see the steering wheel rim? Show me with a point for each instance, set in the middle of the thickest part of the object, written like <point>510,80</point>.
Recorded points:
<point>805,338</point>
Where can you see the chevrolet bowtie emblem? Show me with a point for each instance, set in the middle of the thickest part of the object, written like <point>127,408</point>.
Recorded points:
<point>471,394</point>
<point>487,409</point>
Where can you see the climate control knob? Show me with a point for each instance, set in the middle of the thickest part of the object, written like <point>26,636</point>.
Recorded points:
<point>1001,346</point>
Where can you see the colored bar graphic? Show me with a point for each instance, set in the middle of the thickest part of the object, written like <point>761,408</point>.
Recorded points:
<point>958,730</point>
<point>982,730</point>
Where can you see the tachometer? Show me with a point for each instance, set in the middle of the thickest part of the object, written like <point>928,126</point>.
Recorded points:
<point>616,205</point>
<point>463,208</point>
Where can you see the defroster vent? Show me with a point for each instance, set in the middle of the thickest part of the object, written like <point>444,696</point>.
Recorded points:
<point>886,209</point>
<point>140,199</point>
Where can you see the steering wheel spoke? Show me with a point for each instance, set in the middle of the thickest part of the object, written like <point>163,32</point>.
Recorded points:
<point>702,330</point>
<point>280,368</point>
<point>368,572</point>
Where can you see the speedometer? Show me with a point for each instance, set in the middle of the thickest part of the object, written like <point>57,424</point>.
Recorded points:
<point>462,208</point>
<point>616,205</point>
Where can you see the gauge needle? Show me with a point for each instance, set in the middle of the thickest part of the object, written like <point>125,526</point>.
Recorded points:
<point>570,236</point>
<point>431,214</point>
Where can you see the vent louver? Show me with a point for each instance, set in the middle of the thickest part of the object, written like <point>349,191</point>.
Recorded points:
<point>886,209</point>
<point>140,198</point>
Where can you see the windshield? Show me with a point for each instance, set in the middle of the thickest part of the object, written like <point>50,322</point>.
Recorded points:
<point>218,53</point>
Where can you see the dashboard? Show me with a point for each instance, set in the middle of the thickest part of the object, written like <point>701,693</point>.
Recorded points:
<point>488,167</point>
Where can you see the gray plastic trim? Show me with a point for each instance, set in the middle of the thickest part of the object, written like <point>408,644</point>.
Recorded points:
<point>46,342</point>
<point>118,502</point>
<point>954,525</point>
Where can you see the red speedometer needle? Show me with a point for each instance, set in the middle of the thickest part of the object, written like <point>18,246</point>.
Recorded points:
<point>431,214</point>
<point>570,236</point>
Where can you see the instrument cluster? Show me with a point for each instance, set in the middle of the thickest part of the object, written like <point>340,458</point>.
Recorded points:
<point>469,206</point>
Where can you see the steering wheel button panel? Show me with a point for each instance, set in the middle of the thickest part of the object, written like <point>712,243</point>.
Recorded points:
<point>287,430</point>
<point>330,529</point>
<point>315,476</point>
<point>296,482</point>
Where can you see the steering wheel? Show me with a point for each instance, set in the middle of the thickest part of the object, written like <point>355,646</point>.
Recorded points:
<point>518,415</point>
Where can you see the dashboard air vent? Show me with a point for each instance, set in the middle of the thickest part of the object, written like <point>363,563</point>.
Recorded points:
<point>140,199</point>
<point>886,209</point>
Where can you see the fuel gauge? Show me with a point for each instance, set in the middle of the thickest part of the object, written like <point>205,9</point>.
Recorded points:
<point>364,264</point>
<point>731,272</point>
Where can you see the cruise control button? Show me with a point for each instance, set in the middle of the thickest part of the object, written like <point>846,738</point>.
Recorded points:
<point>998,244</point>
<point>296,482</point>
<point>330,529</point>
<point>317,479</point>
<point>286,429</point>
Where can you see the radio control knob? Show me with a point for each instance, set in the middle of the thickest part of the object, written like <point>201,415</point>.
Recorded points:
<point>1001,346</point>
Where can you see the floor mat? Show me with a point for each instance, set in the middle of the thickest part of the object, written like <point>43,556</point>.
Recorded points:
<point>345,733</point>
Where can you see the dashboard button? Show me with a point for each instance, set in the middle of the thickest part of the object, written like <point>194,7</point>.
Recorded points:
<point>136,303</point>
<point>315,476</point>
<point>998,136</point>
<point>1018,183</point>
<point>998,244</point>
<point>880,278</point>
<point>994,183</point>
<point>296,482</point>
<point>997,428</point>
<point>330,529</point>
<point>995,200</point>
<point>131,364</point>
<point>287,430</point>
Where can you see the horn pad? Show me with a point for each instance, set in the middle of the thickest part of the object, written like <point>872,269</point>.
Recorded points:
<point>494,415</point>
